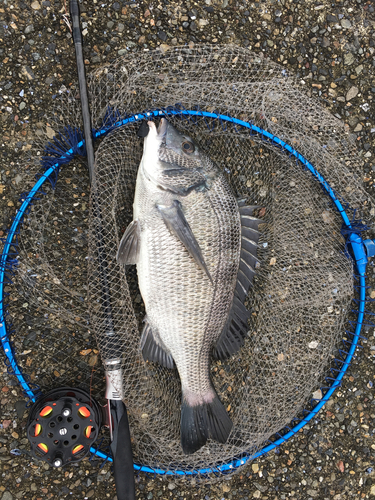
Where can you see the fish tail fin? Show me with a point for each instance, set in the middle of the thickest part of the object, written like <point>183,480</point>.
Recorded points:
<point>202,421</point>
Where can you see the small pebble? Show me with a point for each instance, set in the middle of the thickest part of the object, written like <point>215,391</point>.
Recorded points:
<point>7,496</point>
<point>349,59</point>
<point>345,23</point>
<point>20,407</point>
<point>328,217</point>
<point>352,92</point>
<point>317,394</point>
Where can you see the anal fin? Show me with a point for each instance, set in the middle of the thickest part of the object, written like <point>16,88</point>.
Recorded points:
<point>128,250</point>
<point>153,348</point>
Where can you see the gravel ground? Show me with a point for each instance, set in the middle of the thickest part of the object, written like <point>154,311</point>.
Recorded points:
<point>331,46</point>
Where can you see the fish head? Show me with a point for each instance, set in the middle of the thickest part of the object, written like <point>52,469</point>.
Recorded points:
<point>178,145</point>
<point>172,160</point>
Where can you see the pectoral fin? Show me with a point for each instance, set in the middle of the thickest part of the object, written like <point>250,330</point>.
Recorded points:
<point>176,222</point>
<point>128,250</point>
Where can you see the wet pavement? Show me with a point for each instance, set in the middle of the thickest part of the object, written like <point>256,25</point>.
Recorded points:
<point>328,45</point>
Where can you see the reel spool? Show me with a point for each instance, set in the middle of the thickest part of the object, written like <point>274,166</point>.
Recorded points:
<point>63,425</point>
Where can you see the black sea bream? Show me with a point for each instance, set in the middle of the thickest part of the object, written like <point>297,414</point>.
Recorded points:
<point>194,246</point>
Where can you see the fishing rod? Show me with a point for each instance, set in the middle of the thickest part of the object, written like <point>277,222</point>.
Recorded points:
<point>117,413</point>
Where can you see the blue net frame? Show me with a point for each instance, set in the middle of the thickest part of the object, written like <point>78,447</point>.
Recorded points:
<point>69,143</point>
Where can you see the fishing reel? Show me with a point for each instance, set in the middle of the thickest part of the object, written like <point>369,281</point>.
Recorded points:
<point>63,425</point>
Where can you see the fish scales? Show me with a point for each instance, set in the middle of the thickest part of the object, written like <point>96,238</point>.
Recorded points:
<point>182,306</point>
<point>186,242</point>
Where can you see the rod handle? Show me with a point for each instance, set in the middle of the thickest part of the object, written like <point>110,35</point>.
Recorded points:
<point>122,452</point>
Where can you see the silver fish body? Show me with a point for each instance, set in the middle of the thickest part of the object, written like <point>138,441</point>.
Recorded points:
<point>186,243</point>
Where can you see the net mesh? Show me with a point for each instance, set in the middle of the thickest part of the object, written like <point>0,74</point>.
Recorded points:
<point>48,307</point>
<point>301,293</point>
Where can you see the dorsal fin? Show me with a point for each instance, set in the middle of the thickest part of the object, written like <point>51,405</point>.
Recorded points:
<point>250,233</point>
<point>247,209</point>
<point>235,329</point>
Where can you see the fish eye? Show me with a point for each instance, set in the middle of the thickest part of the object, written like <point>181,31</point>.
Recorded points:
<point>188,147</point>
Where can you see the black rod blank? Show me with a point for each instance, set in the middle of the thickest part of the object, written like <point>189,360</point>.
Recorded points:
<point>77,39</point>
<point>121,444</point>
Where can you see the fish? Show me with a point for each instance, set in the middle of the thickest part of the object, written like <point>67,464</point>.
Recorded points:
<point>194,245</point>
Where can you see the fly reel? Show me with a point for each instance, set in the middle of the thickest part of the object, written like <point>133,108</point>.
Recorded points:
<point>63,425</point>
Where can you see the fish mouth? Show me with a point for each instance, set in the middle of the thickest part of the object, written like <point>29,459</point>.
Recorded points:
<point>162,129</point>
<point>170,137</point>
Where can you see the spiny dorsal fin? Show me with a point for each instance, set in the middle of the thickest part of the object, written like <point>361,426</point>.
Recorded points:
<point>250,221</point>
<point>247,209</point>
<point>235,329</point>
<point>250,233</point>
<point>249,244</point>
